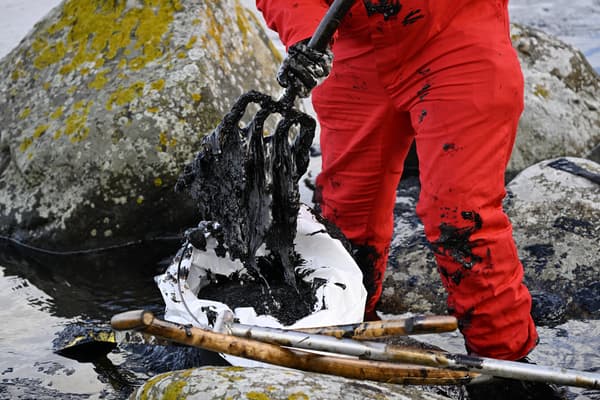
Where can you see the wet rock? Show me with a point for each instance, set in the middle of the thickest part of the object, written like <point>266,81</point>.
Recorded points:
<point>573,345</point>
<point>104,102</point>
<point>554,207</point>
<point>411,282</point>
<point>594,154</point>
<point>562,100</point>
<point>269,383</point>
<point>547,307</point>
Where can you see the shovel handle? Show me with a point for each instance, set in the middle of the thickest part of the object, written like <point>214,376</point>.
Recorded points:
<point>329,24</point>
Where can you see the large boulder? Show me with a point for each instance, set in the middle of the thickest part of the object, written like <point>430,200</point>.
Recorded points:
<point>562,100</point>
<point>554,207</point>
<point>103,103</point>
<point>269,383</point>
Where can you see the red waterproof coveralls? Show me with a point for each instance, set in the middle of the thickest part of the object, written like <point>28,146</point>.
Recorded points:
<point>442,72</point>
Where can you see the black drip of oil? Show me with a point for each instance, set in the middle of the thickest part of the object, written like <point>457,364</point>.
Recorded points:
<point>248,181</point>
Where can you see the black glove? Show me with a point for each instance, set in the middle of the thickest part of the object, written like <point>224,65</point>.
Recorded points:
<point>304,68</point>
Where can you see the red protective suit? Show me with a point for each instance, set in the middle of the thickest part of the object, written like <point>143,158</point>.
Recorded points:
<point>444,73</point>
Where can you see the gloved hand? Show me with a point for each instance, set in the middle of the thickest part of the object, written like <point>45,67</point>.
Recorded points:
<point>304,68</point>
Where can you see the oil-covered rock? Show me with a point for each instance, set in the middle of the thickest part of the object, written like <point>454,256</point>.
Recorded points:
<point>554,209</point>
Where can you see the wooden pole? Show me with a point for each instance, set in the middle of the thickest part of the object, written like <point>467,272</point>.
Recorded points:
<point>392,353</point>
<point>273,354</point>
<point>416,325</point>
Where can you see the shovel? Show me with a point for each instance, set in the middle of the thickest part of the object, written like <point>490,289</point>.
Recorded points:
<point>376,360</point>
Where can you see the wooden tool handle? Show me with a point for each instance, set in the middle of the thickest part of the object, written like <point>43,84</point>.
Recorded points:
<point>419,324</point>
<point>132,320</point>
<point>277,355</point>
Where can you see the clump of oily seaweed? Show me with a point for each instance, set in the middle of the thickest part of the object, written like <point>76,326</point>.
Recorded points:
<point>247,182</point>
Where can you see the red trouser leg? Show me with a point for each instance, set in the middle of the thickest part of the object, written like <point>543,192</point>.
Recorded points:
<point>464,141</point>
<point>463,91</point>
<point>363,151</point>
<point>461,207</point>
<point>465,123</point>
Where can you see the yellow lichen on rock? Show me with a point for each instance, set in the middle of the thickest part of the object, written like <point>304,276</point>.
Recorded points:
<point>25,144</point>
<point>165,142</point>
<point>173,390</point>
<point>97,30</point>
<point>158,84</point>
<point>16,74</point>
<point>37,133</point>
<point>191,42</point>
<point>28,141</point>
<point>123,55</point>
<point>40,130</point>
<point>276,53</point>
<point>25,113</point>
<point>147,387</point>
<point>100,80</point>
<point>257,396</point>
<point>76,124</point>
<point>298,396</point>
<point>125,95</point>
<point>57,113</point>
<point>50,54</point>
<point>215,30</point>
<point>541,91</point>
<point>242,22</point>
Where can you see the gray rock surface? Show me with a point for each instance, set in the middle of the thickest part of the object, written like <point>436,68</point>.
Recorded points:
<point>102,104</point>
<point>555,216</point>
<point>269,383</point>
<point>562,100</point>
<point>411,282</point>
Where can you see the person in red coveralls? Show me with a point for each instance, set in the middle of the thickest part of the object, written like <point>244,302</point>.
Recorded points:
<point>444,74</point>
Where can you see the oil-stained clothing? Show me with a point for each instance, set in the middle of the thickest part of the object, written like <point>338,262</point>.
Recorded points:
<point>444,73</point>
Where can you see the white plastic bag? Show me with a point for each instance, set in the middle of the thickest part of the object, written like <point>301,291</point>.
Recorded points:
<point>341,298</point>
